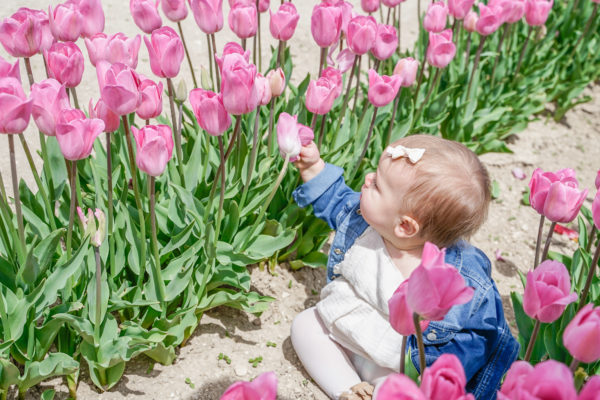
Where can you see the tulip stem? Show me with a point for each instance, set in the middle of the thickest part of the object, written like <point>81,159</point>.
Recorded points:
<point>322,60</point>
<point>74,95</point>
<point>255,144</point>
<point>267,202</point>
<point>158,282</point>
<point>403,354</point>
<point>259,44</point>
<point>421,70</point>
<point>539,241</point>
<point>176,131</point>
<point>6,215</point>
<point>217,72</point>
<point>436,78</point>
<point>574,364</point>
<point>73,178</point>
<point>322,130</point>
<point>138,202</point>
<point>523,50</point>
<point>586,29</point>
<point>16,195</point>
<point>475,65</point>
<point>534,334</point>
<point>187,54</point>
<point>280,54</point>
<point>548,239</point>
<point>365,147</point>
<point>592,238</point>
<point>468,49</point>
<point>38,181</point>
<point>244,44</point>
<point>111,239</point>
<point>499,51</point>
<point>98,293</point>
<point>357,84</point>
<point>393,119</point>
<point>419,336</point>
<point>589,279</point>
<point>346,96</point>
<point>211,56</point>
<point>399,26</point>
<point>389,13</point>
<point>221,193</point>
<point>270,135</point>
<point>8,218</point>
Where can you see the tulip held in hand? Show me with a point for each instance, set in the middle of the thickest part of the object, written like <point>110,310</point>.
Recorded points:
<point>76,134</point>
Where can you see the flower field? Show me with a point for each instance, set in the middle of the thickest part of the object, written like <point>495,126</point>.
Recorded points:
<point>168,242</point>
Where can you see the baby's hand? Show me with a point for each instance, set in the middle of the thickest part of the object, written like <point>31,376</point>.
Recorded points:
<point>309,162</point>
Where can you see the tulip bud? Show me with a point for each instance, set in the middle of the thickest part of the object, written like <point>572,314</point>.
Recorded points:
<point>65,63</point>
<point>96,231</point>
<point>288,138</point>
<point>181,91</point>
<point>263,5</point>
<point>400,386</point>
<point>470,21</point>
<point>541,33</point>
<point>263,88</point>
<point>204,78</point>
<point>276,81</point>
<point>119,87</point>
<point>117,48</point>
<point>145,14</point>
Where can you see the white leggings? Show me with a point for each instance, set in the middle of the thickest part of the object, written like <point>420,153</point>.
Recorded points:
<point>333,367</point>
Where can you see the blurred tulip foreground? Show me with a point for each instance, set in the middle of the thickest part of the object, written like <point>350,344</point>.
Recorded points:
<point>118,250</point>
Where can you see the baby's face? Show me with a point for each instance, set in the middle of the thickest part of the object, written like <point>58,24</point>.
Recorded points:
<point>381,193</point>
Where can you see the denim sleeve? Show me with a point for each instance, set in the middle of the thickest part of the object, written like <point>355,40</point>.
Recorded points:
<point>327,192</point>
<point>472,344</point>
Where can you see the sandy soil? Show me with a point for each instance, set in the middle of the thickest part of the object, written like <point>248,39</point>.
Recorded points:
<point>511,228</point>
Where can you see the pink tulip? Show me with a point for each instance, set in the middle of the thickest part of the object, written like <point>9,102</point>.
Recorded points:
<point>264,5</point>
<point>276,81</point>
<point>263,88</point>
<point>406,69</point>
<point>16,108</point>
<point>361,34</point>
<point>514,378</point>
<point>399,387</point>
<point>47,36</point>
<point>435,18</point>
<point>548,380</point>
<point>76,134</point>
<point>382,88</point>
<point>66,22</point>
<point>208,14</point>
<point>445,380</point>
<point>345,59</point>
<point>512,10</point>
<point>92,21</point>
<point>175,10</point>
<point>8,70</point>
<point>243,20</point>
<point>489,21</point>
<point>392,3</point>
<point>556,195</point>
<point>166,52</point>
<point>116,48</point>
<point>444,286</point>
<point>335,76</point>
<point>536,11</point>
<point>547,292</point>
<point>470,21</point>
<point>232,48</point>
<point>326,24</point>
<point>591,390</point>
<point>305,134</point>
<point>49,99</point>
<point>288,138</point>
<point>386,42</point>
<point>151,105</point>
<point>369,6</point>
<point>597,181</point>
<point>145,14</point>
<point>21,33</point>
<point>320,95</point>
<point>347,14</point>
<point>459,8</point>
<point>65,63</point>
<point>581,335</point>
<point>441,49</point>
<point>119,87</point>
<point>263,387</point>
<point>401,315</point>
<point>209,111</point>
<point>596,210</point>
<point>284,21</point>
<point>101,111</point>
<point>154,148</point>
<point>239,91</point>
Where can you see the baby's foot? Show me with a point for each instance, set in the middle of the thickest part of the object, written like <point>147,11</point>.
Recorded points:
<point>360,391</point>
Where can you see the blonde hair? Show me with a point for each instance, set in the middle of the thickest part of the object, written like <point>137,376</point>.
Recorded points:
<point>450,192</point>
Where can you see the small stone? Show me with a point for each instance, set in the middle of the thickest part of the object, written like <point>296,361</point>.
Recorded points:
<point>241,371</point>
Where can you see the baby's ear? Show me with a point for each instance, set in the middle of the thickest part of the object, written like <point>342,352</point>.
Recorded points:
<point>406,227</point>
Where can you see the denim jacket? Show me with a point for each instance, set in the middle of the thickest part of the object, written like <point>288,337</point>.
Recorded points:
<point>476,332</point>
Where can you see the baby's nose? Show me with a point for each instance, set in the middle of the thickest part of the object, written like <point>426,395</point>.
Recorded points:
<point>369,178</point>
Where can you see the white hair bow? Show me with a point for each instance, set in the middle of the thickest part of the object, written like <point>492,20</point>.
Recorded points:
<point>413,155</point>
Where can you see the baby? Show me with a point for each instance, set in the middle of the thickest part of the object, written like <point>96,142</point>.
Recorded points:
<point>441,195</point>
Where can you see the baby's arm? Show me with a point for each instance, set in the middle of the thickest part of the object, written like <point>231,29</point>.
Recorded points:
<point>324,187</point>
